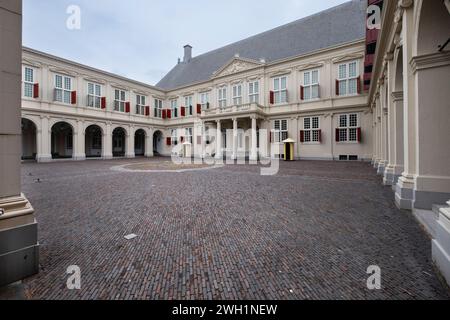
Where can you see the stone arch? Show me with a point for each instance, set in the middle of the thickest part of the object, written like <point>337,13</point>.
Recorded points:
<point>29,139</point>
<point>119,140</point>
<point>158,142</point>
<point>94,142</point>
<point>398,75</point>
<point>62,140</point>
<point>139,142</point>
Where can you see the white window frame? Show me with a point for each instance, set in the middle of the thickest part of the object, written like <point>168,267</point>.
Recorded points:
<point>280,130</point>
<point>237,94</point>
<point>28,84</point>
<point>94,99</point>
<point>222,97</point>
<point>348,127</point>
<point>63,93</point>
<point>140,104</point>
<point>120,97</point>
<point>157,108</point>
<point>311,129</point>
<point>345,78</point>
<point>280,92</point>
<point>174,107</point>
<point>189,105</point>
<point>253,94</point>
<point>204,100</point>
<point>310,86</point>
<point>188,135</point>
<point>174,136</point>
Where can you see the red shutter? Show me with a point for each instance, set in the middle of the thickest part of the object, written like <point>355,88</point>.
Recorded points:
<point>36,90</point>
<point>359,135</point>
<point>169,141</point>
<point>302,93</point>
<point>164,114</point>
<point>127,107</point>
<point>182,139</point>
<point>103,102</point>
<point>272,97</point>
<point>199,108</point>
<point>359,85</point>
<point>169,114</point>
<point>337,135</point>
<point>302,136</point>
<point>183,111</point>
<point>147,111</point>
<point>337,87</point>
<point>320,136</point>
<point>73,97</point>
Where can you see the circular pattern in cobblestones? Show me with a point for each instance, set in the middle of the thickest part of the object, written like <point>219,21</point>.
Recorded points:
<point>163,167</point>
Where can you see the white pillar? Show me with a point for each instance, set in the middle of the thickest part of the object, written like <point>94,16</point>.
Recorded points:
<point>129,151</point>
<point>107,143</point>
<point>19,253</point>
<point>235,137</point>
<point>203,155</point>
<point>80,140</point>
<point>149,144</point>
<point>254,151</point>
<point>44,140</point>
<point>219,153</point>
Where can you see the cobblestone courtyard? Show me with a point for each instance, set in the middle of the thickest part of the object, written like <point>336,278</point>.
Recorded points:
<point>310,232</point>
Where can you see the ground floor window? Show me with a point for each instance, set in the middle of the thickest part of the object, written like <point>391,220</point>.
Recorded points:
<point>311,130</point>
<point>280,130</point>
<point>348,128</point>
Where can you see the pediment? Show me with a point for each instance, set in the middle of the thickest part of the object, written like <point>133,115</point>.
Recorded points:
<point>237,65</point>
<point>347,57</point>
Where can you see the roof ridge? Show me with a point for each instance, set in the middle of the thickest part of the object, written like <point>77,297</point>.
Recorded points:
<point>278,28</point>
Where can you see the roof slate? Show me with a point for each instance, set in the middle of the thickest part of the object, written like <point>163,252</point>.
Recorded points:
<point>338,25</point>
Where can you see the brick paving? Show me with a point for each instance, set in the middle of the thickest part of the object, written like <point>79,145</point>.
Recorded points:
<point>228,233</point>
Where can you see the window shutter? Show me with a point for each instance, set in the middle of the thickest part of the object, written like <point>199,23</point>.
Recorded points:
<point>358,85</point>
<point>127,107</point>
<point>271,137</point>
<point>147,111</point>
<point>169,141</point>
<point>337,87</point>
<point>302,136</point>
<point>302,93</point>
<point>272,97</point>
<point>183,111</point>
<point>73,97</point>
<point>103,102</point>
<point>318,91</point>
<point>199,108</point>
<point>337,135</point>
<point>207,105</point>
<point>359,135</point>
<point>169,114</point>
<point>320,136</point>
<point>182,139</point>
<point>164,114</point>
<point>36,90</point>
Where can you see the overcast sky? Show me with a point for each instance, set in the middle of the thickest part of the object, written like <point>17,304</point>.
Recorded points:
<point>142,39</point>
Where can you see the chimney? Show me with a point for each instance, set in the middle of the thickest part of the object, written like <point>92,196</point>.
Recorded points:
<point>187,53</point>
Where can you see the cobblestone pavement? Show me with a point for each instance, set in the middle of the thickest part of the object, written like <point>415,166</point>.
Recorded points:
<point>310,232</point>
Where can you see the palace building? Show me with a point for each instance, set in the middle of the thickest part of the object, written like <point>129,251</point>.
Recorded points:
<point>340,91</point>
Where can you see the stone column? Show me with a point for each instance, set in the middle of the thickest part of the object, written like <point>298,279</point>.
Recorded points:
<point>235,137</point>
<point>149,144</point>
<point>44,140</point>
<point>19,253</point>
<point>254,147</point>
<point>441,245</point>
<point>80,142</point>
<point>219,153</point>
<point>107,143</point>
<point>404,194</point>
<point>129,143</point>
<point>203,155</point>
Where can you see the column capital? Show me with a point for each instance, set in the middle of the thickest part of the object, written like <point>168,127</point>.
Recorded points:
<point>405,4</point>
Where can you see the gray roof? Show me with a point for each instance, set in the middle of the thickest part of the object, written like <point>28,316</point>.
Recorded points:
<point>341,24</point>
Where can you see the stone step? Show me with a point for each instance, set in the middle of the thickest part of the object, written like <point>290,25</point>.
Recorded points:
<point>437,208</point>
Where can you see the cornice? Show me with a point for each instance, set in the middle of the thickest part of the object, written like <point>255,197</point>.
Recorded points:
<point>397,96</point>
<point>428,61</point>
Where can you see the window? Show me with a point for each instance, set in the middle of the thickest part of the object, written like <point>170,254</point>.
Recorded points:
<point>222,97</point>
<point>140,104</point>
<point>63,89</point>
<point>174,137</point>
<point>311,85</point>
<point>348,78</point>
<point>280,90</point>
<point>174,107</point>
<point>237,94</point>
<point>188,133</point>
<point>280,130</point>
<point>158,108</point>
<point>94,98</point>
<point>311,129</point>
<point>204,100</point>
<point>189,104</point>
<point>28,82</point>
<point>119,100</point>
<point>348,127</point>
<point>253,92</point>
